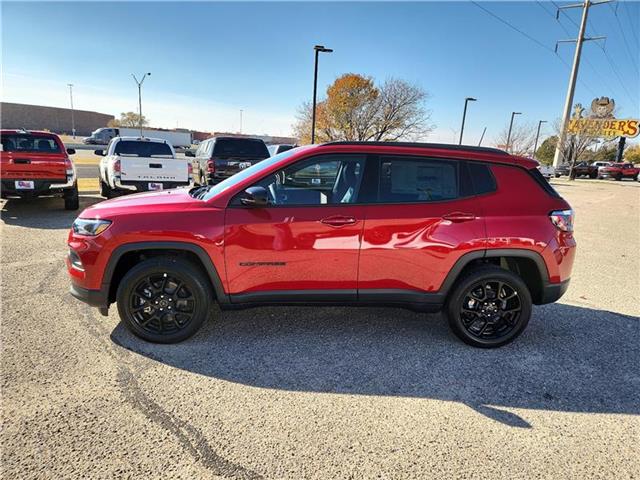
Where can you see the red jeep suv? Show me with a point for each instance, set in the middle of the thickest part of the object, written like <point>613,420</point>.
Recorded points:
<point>474,231</point>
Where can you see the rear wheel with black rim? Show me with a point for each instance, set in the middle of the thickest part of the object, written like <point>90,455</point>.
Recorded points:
<point>489,307</point>
<point>164,299</point>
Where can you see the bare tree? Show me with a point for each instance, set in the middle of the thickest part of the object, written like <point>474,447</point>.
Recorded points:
<point>522,140</point>
<point>355,109</point>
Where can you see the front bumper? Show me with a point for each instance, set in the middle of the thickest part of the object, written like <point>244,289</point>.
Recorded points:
<point>95,298</point>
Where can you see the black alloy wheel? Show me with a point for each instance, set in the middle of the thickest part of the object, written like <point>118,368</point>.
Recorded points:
<point>164,299</point>
<point>489,307</point>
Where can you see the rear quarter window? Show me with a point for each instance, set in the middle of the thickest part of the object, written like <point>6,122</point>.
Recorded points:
<point>481,177</point>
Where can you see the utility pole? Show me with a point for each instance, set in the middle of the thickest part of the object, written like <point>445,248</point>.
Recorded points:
<point>139,83</point>
<point>557,158</point>
<point>464,115</point>
<point>513,114</point>
<point>73,120</point>
<point>317,49</point>
<point>482,136</point>
<point>535,145</point>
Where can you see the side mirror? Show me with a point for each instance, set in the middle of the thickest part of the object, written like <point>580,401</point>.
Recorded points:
<point>71,151</point>
<point>255,197</point>
<point>189,153</point>
<point>100,153</point>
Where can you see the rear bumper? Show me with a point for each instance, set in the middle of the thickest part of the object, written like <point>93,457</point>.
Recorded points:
<point>40,187</point>
<point>552,292</point>
<point>144,186</point>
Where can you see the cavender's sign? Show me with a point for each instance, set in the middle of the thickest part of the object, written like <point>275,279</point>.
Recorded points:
<point>596,127</point>
<point>601,121</point>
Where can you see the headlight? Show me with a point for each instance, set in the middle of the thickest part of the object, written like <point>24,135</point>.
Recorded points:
<point>90,227</point>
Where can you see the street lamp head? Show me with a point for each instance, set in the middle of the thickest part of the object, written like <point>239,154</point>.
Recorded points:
<point>322,48</point>
<point>471,99</point>
<point>149,73</point>
<point>516,113</point>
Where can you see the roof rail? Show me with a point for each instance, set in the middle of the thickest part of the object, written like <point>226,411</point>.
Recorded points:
<point>441,146</point>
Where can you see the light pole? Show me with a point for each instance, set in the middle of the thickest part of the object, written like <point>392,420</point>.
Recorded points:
<point>513,114</point>
<point>464,115</point>
<point>139,83</point>
<point>482,136</point>
<point>73,120</point>
<point>535,145</point>
<point>317,49</point>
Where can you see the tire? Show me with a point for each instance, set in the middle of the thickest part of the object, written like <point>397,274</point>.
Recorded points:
<point>593,175</point>
<point>557,175</point>
<point>489,328</point>
<point>149,295</point>
<point>635,177</point>
<point>618,178</point>
<point>105,190</point>
<point>72,199</point>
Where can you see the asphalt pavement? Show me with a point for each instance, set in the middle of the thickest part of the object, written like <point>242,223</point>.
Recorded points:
<point>323,393</point>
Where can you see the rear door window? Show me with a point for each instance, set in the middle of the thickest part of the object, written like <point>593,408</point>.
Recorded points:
<point>29,143</point>
<point>417,180</point>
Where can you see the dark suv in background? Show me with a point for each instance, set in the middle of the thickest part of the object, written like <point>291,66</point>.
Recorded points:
<point>218,158</point>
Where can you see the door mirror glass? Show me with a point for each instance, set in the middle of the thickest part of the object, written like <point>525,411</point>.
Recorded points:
<point>256,196</point>
<point>99,152</point>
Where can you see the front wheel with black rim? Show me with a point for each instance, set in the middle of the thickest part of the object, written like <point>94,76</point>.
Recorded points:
<point>164,299</point>
<point>489,307</point>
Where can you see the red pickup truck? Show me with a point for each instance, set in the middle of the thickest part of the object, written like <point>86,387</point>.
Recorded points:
<point>34,164</point>
<point>619,171</point>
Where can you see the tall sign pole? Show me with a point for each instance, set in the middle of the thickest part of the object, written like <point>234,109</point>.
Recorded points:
<point>73,119</point>
<point>557,158</point>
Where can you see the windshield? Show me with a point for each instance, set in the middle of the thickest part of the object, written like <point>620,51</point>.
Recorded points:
<point>246,173</point>
<point>142,149</point>
<point>241,147</point>
<point>17,142</point>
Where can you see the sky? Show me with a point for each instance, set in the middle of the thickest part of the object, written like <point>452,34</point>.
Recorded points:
<point>209,60</point>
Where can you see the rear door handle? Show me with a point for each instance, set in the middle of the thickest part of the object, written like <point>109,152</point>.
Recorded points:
<point>458,217</point>
<point>338,221</point>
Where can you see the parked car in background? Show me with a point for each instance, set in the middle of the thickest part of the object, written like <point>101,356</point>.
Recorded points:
<point>585,169</point>
<point>35,164</point>
<point>276,149</point>
<point>547,171</point>
<point>600,165</point>
<point>218,158</point>
<point>134,164</point>
<point>561,170</point>
<point>474,231</point>
<point>102,136</point>
<point>618,171</point>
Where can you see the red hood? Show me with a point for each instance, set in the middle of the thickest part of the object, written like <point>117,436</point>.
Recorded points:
<point>149,202</point>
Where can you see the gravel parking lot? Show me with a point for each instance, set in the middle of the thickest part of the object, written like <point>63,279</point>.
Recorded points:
<point>324,392</point>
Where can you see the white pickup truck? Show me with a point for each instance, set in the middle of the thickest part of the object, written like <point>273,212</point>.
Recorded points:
<point>134,164</point>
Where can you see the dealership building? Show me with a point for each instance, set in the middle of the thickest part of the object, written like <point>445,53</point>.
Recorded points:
<point>58,120</point>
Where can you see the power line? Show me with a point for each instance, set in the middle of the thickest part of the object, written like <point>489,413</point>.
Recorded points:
<point>513,27</point>
<point>629,17</point>
<point>626,42</point>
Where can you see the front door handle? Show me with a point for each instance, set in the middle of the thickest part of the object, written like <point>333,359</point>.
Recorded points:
<point>458,217</point>
<point>338,221</point>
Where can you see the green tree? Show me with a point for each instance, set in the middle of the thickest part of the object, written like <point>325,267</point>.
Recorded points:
<point>632,154</point>
<point>547,150</point>
<point>129,119</point>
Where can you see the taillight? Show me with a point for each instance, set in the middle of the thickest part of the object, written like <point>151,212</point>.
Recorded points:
<point>562,219</point>
<point>116,166</point>
<point>211,166</point>
<point>68,166</point>
<point>189,168</point>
